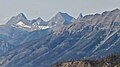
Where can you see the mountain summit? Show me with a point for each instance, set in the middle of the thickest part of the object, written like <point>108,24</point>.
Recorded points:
<point>39,21</point>
<point>61,18</point>
<point>80,17</point>
<point>15,19</point>
<point>21,15</point>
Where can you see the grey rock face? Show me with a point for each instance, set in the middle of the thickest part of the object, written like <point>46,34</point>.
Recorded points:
<point>5,47</point>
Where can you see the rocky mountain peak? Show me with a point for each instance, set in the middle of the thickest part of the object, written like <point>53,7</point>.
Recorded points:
<point>64,16</point>
<point>15,19</point>
<point>40,19</point>
<point>115,10</point>
<point>80,16</point>
<point>61,18</point>
<point>21,15</point>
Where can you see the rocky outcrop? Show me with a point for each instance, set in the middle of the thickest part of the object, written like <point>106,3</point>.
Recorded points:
<point>74,64</point>
<point>110,61</point>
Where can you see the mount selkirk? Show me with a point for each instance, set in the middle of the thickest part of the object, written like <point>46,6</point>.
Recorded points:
<point>39,43</point>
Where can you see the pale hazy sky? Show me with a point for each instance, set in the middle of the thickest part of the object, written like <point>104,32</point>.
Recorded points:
<point>46,9</point>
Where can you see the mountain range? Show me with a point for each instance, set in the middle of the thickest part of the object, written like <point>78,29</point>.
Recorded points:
<point>39,43</point>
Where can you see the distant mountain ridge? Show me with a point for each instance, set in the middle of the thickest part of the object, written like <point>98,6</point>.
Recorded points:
<point>37,24</point>
<point>67,38</point>
<point>19,29</point>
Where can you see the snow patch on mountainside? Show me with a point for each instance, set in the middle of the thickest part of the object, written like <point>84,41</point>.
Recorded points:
<point>21,24</point>
<point>32,27</point>
<point>44,27</point>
